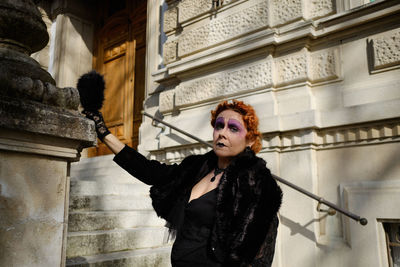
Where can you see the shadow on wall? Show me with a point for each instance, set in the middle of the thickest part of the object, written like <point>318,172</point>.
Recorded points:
<point>296,228</point>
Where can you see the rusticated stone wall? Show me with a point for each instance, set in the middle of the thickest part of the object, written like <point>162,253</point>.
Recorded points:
<point>220,30</point>
<point>313,67</point>
<point>386,49</point>
<point>253,16</point>
<point>324,79</point>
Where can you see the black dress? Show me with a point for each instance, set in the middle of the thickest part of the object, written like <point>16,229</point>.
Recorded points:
<point>191,247</point>
<point>247,193</point>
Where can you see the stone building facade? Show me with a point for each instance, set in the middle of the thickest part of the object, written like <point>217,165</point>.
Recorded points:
<point>324,78</point>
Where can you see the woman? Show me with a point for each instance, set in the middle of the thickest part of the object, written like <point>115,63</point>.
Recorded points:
<point>222,205</point>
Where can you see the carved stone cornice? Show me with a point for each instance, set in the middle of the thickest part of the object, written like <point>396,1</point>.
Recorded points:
<point>177,154</point>
<point>363,134</point>
<point>317,139</point>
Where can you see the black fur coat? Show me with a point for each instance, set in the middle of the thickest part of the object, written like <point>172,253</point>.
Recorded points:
<point>247,204</point>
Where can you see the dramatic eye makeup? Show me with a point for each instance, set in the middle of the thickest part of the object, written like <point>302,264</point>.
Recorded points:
<point>233,125</point>
<point>219,123</point>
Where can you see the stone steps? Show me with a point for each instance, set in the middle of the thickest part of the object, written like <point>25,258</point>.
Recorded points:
<point>107,220</point>
<point>86,187</point>
<point>90,163</point>
<point>148,257</point>
<point>116,177</point>
<point>111,220</point>
<point>109,203</point>
<point>100,168</point>
<point>100,242</point>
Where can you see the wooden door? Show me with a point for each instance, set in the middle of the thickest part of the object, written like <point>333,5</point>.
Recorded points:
<point>120,57</point>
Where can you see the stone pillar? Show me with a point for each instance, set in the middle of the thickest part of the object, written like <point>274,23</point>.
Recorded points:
<point>41,132</point>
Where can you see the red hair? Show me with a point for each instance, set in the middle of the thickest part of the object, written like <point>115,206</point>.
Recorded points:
<point>249,117</point>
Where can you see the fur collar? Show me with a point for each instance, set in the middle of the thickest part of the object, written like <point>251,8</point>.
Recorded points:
<point>247,202</point>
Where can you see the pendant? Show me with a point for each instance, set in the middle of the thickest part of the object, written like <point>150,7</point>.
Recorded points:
<point>216,172</point>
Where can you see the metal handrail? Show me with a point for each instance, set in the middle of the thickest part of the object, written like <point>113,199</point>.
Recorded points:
<point>362,221</point>
<point>333,207</point>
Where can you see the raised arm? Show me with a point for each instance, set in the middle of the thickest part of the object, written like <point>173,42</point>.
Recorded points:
<point>148,171</point>
<point>110,140</point>
<point>113,143</point>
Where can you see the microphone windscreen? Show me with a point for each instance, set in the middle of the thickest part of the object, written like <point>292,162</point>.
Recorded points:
<point>91,87</point>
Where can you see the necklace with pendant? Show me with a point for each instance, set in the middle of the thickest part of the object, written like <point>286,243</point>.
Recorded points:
<point>216,172</point>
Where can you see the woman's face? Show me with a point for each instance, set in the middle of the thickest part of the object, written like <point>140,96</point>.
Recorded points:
<point>229,137</point>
